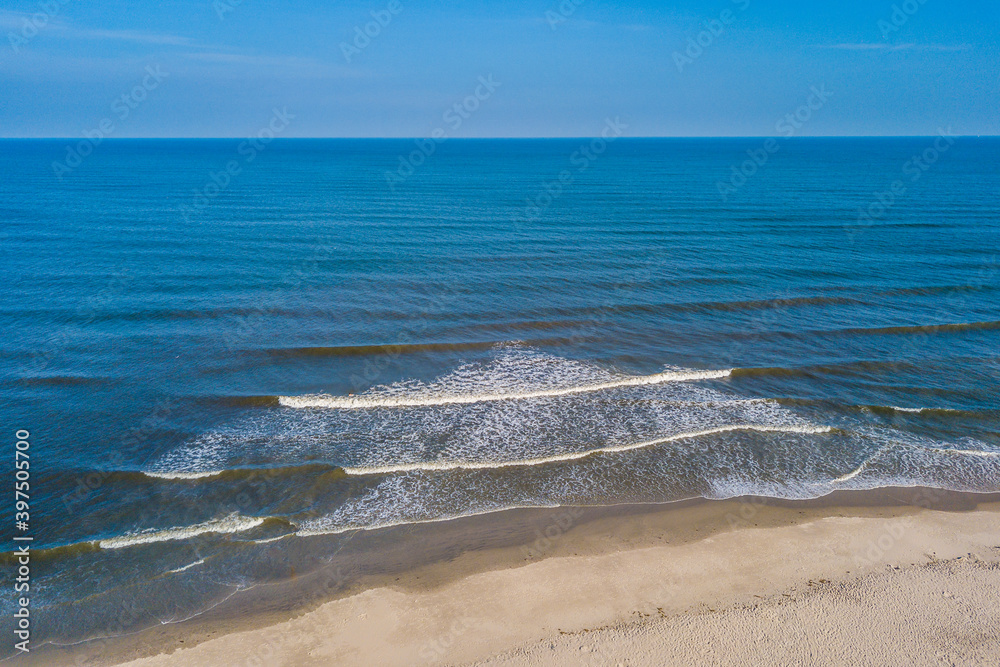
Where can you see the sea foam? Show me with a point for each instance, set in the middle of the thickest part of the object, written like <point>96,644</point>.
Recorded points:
<point>234,523</point>
<point>379,401</point>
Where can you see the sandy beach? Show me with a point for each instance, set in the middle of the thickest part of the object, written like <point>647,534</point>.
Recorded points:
<point>902,576</point>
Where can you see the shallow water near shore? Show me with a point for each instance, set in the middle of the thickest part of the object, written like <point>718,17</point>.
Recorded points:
<point>215,393</point>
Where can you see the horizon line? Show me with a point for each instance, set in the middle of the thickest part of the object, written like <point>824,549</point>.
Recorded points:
<point>532,138</point>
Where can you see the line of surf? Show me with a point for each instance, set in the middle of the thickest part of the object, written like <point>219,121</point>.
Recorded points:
<point>981,453</point>
<point>919,411</point>
<point>247,474</point>
<point>186,567</point>
<point>963,452</point>
<point>854,473</point>
<point>339,530</point>
<point>232,524</point>
<point>572,456</point>
<point>182,475</point>
<point>406,401</point>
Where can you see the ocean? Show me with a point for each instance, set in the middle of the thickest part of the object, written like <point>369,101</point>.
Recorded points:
<point>235,359</point>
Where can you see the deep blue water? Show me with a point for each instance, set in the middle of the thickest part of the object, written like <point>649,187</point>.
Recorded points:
<point>184,354</point>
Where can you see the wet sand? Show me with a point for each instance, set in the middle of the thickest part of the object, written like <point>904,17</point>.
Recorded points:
<point>889,577</point>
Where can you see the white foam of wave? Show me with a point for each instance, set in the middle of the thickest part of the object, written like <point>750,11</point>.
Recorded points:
<point>191,462</point>
<point>918,411</point>
<point>317,527</point>
<point>488,432</point>
<point>851,475</point>
<point>573,456</point>
<point>798,466</point>
<point>662,475</point>
<point>494,429</point>
<point>727,488</point>
<point>187,567</point>
<point>182,475</point>
<point>899,442</point>
<point>395,436</point>
<point>377,401</point>
<point>233,523</point>
<point>963,452</point>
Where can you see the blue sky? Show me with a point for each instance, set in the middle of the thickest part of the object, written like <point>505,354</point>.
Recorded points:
<point>562,69</point>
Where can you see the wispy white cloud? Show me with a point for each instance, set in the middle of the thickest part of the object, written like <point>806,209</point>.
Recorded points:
<point>173,51</point>
<point>287,65</point>
<point>137,36</point>
<point>878,46</point>
<point>560,22</point>
<point>32,65</point>
<point>251,59</point>
<point>16,22</point>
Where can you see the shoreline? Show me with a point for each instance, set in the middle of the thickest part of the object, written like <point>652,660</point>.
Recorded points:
<point>473,588</point>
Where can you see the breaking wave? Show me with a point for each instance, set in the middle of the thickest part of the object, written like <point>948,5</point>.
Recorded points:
<point>375,400</point>
<point>528,429</point>
<point>231,524</point>
<point>574,456</point>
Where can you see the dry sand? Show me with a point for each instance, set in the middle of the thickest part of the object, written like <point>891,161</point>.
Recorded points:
<point>725,583</point>
<point>945,613</point>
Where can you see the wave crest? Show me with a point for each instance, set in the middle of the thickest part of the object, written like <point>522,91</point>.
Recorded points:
<point>234,523</point>
<point>574,456</point>
<point>378,401</point>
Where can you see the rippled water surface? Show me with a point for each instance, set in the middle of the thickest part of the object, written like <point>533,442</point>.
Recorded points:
<point>215,375</point>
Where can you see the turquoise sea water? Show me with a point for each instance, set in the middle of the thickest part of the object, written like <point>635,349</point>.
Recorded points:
<point>222,360</point>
